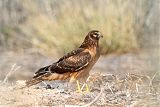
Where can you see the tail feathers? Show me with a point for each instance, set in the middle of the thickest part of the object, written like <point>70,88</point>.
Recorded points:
<point>36,80</point>
<point>33,82</point>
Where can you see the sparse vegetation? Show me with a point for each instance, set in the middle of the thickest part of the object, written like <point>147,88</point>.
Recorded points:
<point>58,26</point>
<point>106,90</point>
<point>33,32</point>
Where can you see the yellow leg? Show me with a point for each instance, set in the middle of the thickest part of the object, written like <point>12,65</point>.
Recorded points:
<point>78,86</point>
<point>87,88</point>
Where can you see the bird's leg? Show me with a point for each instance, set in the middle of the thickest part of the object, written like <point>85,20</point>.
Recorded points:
<point>78,86</point>
<point>79,89</point>
<point>86,85</point>
<point>87,88</point>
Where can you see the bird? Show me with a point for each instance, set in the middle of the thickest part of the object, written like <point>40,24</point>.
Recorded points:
<point>73,65</point>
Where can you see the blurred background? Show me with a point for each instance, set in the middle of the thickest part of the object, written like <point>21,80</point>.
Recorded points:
<point>34,33</point>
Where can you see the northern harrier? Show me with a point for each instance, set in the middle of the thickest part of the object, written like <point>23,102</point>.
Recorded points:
<point>74,65</point>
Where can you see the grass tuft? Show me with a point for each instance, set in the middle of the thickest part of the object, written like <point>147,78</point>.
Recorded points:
<point>57,26</point>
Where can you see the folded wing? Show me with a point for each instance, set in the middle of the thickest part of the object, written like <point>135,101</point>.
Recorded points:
<point>71,62</point>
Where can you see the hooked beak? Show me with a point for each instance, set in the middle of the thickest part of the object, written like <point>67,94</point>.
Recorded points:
<point>100,35</point>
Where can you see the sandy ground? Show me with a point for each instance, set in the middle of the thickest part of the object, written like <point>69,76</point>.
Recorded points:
<point>115,81</point>
<point>105,90</point>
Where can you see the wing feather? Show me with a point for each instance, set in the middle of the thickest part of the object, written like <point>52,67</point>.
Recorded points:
<point>72,62</point>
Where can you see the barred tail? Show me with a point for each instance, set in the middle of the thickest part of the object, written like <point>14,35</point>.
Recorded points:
<point>36,80</point>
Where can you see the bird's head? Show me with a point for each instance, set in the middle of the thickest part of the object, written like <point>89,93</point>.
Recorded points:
<point>94,35</point>
<point>92,39</point>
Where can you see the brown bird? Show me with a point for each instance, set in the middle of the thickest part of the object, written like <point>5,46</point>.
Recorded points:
<point>74,65</point>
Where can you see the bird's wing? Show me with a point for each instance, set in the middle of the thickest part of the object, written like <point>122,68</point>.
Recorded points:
<point>41,71</point>
<point>72,62</point>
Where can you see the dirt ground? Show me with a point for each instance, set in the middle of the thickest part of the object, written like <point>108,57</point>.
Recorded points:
<point>115,81</point>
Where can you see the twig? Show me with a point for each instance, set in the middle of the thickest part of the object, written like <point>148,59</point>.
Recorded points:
<point>137,88</point>
<point>110,88</point>
<point>151,82</point>
<point>13,69</point>
<point>89,104</point>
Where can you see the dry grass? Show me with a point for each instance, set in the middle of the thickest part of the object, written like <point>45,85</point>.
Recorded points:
<point>106,90</point>
<point>118,86</point>
<point>59,26</point>
<point>13,69</point>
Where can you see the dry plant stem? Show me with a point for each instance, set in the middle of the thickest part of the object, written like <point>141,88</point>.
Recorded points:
<point>89,104</point>
<point>13,69</point>
<point>110,88</point>
<point>137,88</point>
<point>151,81</point>
<point>44,83</point>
